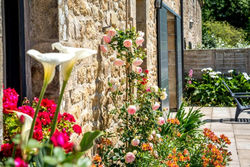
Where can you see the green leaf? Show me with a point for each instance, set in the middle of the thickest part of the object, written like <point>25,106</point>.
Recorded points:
<point>50,160</point>
<point>88,139</point>
<point>59,154</point>
<point>83,162</point>
<point>17,139</point>
<point>32,143</point>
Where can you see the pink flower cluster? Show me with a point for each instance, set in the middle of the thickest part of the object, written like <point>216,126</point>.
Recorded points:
<point>10,99</point>
<point>60,139</point>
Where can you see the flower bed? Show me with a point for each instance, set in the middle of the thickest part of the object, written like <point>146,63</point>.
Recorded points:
<point>210,91</point>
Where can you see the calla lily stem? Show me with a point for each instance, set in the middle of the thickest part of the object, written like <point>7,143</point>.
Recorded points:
<point>45,84</point>
<point>54,122</point>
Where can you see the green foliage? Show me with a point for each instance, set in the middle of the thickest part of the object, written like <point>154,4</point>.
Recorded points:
<point>235,12</point>
<point>44,154</point>
<point>88,138</point>
<point>210,90</point>
<point>218,34</point>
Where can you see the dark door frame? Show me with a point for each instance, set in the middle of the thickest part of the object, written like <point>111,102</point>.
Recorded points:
<point>160,52</point>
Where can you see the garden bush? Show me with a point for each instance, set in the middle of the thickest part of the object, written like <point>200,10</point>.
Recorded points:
<point>144,137</point>
<point>222,35</point>
<point>210,91</point>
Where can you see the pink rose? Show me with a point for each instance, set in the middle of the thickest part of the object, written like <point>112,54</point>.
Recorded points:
<point>148,90</point>
<point>189,82</point>
<point>138,70</point>
<point>113,88</point>
<point>119,62</point>
<point>190,73</point>
<point>103,48</point>
<point>129,157</point>
<point>106,39</point>
<point>137,62</point>
<point>135,142</point>
<point>111,32</point>
<point>127,43</point>
<point>161,121</point>
<point>156,106</point>
<point>131,109</point>
<point>139,41</point>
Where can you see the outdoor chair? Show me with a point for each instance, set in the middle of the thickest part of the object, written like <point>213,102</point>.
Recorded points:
<point>237,96</point>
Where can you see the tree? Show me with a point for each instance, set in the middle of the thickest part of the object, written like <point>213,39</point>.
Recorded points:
<point>235,12</point>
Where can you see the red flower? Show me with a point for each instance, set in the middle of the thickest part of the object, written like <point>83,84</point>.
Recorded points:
<point>10,99</point>
<point>49,104</point>
<point>69,117</point>
<point>38,134</point>
<point>59,139</point>
<point>38,124</point>
<point>44,118</point>
<point>20,163</point>
<point>6,149</point>
<point>77,129</point>
<point>68,147</point>
<point>146,71</point>
<point>27,110</point>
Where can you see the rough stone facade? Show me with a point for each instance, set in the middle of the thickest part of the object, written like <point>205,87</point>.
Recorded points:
<point>81,24</point>
<point>218,59</point>
<point>192,17</point>
<point>42,22</point>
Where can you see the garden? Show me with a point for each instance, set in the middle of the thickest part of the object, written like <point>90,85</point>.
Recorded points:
<point>37,134</point>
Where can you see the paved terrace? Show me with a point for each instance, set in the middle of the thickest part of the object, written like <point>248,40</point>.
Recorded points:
<point>218,119</point>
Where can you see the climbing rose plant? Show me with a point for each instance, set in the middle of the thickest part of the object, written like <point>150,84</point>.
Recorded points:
<point>142,140</point>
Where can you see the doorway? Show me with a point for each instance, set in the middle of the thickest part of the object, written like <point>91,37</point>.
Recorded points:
<point>14,46</point>
<point>170,56</point>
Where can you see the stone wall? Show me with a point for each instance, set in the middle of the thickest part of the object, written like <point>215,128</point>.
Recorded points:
<point>42,22</point>
<point>81,24</point>
<point>218,59</point>
<point>192,18</point>
<point>1,75</point>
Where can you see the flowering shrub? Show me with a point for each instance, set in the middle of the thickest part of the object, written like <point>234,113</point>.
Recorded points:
<point>210,91</point>
<point>146,137</point>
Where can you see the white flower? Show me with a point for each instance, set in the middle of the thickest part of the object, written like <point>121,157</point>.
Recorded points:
<point>229,78</point>
<point>218,72</point>
<point>230,71</point>
<point>26,126</point>
<point>78,53</point>
<point>206,69</point>
<point>246,76</point>
<point>50,61</point>
<point>164,95</point>
<point>154,88</point>
<point>141,34</point>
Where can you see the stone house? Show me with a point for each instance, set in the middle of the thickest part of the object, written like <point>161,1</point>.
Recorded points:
<point>82,23</point>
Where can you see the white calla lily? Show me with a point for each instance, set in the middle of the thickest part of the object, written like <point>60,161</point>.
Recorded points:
<point>79,53</point>
<point>66,69</point>
<point>50,61</point>
<point>26,126</point>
